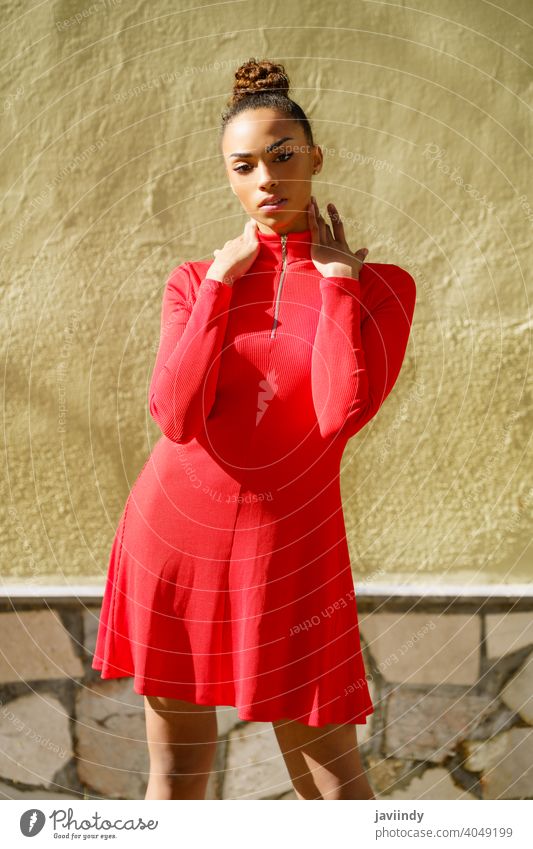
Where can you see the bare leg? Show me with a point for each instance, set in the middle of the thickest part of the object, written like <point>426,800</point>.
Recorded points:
<point>182,741</point>
<point>324,762</point>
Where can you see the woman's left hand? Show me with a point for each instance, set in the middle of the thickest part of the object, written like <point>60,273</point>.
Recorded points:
<point>329,251</point>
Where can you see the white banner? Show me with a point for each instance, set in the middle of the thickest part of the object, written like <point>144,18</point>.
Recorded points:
<point>235,824</point>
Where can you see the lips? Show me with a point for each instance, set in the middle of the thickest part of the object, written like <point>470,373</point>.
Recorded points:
<point>272,203</point>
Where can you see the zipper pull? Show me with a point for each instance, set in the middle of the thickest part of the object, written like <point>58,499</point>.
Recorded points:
<point>282,274</point>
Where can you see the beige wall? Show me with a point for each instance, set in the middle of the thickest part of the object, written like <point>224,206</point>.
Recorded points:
<point>112,176</point>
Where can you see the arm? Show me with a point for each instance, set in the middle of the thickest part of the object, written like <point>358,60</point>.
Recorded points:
<point>359,348</point>
<point>183,384</point>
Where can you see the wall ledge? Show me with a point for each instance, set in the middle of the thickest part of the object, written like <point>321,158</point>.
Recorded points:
<point>386,596</point>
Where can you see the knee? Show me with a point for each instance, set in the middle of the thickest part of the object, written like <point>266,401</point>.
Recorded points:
<point>182,759</point>
<point>182,763</point>
<point>175,778</point>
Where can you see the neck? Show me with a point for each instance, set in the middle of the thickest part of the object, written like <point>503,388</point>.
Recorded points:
<point>297,225</point>
<point>297,245</point>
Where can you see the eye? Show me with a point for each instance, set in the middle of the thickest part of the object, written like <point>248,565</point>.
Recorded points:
<point>287,154</point>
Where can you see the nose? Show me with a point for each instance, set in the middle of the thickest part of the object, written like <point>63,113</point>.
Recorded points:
<point>265,178</point>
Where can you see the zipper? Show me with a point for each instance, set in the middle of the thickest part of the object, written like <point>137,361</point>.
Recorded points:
<point>280,284</point>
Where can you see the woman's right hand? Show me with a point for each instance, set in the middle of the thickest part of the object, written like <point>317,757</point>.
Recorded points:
<point>236,257</point>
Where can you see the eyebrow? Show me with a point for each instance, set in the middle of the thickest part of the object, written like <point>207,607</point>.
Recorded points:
<point>269,147</point>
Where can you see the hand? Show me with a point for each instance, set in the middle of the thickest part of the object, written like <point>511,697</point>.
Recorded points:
<point>329,251</point>
<point>237,255</point>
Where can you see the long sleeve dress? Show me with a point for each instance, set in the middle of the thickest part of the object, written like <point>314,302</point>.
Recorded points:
<point>229,580</point>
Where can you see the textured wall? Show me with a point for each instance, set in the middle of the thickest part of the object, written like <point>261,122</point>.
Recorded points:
<point>112,176</point>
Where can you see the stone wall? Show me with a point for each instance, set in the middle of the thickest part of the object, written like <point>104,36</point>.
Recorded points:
<point>451,678</point>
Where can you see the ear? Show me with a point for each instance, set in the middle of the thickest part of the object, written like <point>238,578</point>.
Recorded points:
<point>319,158</point>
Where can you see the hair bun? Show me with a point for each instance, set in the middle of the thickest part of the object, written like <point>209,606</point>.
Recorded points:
<point>255,76</point>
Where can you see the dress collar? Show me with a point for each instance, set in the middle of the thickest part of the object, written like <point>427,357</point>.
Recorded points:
<point>298,245</point>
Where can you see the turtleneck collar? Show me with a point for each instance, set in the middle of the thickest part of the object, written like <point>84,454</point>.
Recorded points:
<point>298,245</point>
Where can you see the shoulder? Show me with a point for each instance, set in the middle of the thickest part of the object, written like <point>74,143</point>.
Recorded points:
<point>382,281</point>
<point>177,285</point>
<point>386,274</point>
<point>187,277</point>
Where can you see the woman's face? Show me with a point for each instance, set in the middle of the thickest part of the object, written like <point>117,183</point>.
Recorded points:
<point>285,171</point>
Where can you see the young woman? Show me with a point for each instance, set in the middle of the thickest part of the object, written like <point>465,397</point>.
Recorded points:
<point>230,580</point>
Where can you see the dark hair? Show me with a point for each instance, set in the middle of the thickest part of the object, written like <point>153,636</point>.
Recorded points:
<point>260,84</point>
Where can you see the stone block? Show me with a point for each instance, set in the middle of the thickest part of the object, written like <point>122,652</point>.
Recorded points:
<point>255,768</point>
<point>288,796</point>
<point>429,726</point>
<point>36,646</point>
<point>505,763</point>
<point>365,732</point>
<point>434,783</point>
<point>9,792</point>
<point>383,773</point>
<point>424,648</point>
<point>518,692</point>
<point>216,777</point>
<point>227,718</point>
<point>34,739</point>
<point>91,618</point>
<point>111,734</point>
<point>507,632</point>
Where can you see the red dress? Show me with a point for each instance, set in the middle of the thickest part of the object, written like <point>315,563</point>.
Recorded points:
<point>229,580</point>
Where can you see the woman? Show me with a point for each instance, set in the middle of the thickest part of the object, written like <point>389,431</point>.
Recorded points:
<point>229,579</point>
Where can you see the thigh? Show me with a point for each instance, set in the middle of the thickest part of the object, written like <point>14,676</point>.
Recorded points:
<point>323,762</point>
<point>180,733</point>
